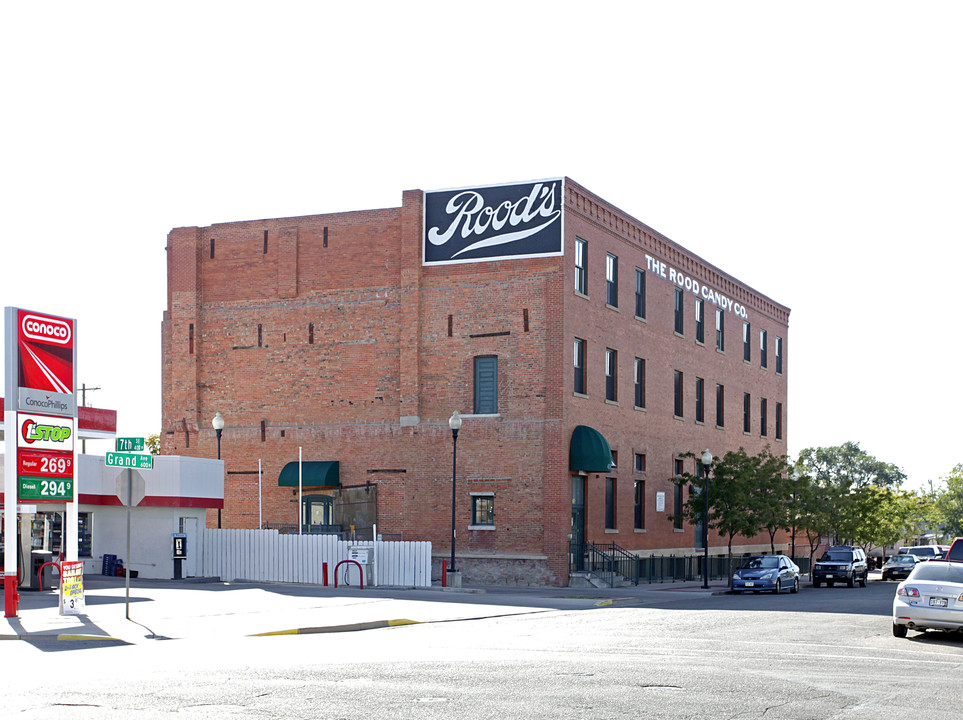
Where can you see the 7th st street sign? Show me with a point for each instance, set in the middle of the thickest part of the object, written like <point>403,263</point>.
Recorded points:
<point>137,461</point>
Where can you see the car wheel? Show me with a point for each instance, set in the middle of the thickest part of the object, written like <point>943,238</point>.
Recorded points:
<point>899,630</point>
<point>795,585</point>
<point>816,583</point>
<point>778,587</point>
<point>851,580</point>
<point>862,582</point>
<point>885,577</point>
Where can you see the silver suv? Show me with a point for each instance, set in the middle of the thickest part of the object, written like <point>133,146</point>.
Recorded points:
<point>841,563</point>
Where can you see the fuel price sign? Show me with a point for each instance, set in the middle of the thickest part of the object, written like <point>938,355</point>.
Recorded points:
<point>45,475</point>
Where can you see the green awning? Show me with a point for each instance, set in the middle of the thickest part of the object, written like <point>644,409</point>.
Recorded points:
<point>589,451</point>
<point>314,473</point>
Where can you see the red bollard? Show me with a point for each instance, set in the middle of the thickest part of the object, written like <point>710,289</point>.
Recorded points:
<point>324,574</point>
<point>444,573</point>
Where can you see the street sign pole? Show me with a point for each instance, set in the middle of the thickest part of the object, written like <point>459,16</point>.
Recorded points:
<point>130,495</point>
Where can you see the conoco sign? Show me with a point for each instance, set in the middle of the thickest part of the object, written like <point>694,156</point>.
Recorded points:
<point>497,222</point>
<point>45,347</point>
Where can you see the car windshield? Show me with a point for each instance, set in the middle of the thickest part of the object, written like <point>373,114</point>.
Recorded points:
<point>841,556</point>
<point>761,562</point>
<point>903,560</point>
<point>938,572</point>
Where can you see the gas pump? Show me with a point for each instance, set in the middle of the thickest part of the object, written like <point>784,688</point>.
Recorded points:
<point>40,540</point>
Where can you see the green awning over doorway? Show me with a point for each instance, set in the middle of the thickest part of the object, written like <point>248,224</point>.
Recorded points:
<point>314,473</point>
<point>589,451</point>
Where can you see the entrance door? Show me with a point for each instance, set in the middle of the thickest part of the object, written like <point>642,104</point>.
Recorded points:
<point>577,544</point>
<point>317,513</point>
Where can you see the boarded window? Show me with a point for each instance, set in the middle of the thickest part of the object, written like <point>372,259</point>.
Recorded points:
<point>486,385</point>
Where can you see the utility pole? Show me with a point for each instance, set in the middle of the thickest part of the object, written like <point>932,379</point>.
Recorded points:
<point>83,402</point>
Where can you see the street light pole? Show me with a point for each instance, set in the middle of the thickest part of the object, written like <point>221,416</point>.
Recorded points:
<point>706,462</point>
<point>454,422</point>
<point>218,424</point>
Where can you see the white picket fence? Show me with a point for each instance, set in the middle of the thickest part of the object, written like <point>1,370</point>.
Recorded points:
<point>269,556</point>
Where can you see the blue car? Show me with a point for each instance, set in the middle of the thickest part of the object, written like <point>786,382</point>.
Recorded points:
<point>766,573</point>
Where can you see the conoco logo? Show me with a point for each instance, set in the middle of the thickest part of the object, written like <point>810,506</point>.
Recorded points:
<point>46,329</point>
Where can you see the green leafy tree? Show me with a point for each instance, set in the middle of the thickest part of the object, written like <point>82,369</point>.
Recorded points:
<point>948,504</point>
<point>838,474</point>
<point>884,516</point>
<point>730,496</point>
<point>152,443</point>
<point>770,493</point>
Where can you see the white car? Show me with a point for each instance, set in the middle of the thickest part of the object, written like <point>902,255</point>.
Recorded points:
<point>931,598</point>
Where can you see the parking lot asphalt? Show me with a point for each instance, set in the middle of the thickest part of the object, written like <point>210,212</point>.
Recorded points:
<point>149,610</point>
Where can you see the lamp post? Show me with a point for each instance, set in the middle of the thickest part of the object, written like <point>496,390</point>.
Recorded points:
<point>218,424</point>
<point>706,462</point>
<point>454,422</point>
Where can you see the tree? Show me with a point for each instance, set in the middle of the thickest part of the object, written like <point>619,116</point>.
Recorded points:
<point>731,486</point>
<point>838,473</point>
<point>949,503</point>
<point>848,466</point>
<point>884,516</point>
<point>769,494</point>
<point>153,443</point>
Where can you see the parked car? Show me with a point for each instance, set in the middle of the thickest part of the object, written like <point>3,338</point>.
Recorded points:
<point>955,553</point>
<point>923,552</point>
<point>931,598</point>
<point>899,567</point>
<point>841,563</point>
<point>766,573</point>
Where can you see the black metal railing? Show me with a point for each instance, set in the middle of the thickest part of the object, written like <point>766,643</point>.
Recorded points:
<point>609,561</point>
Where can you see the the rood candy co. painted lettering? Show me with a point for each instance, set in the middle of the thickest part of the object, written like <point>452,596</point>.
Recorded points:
<point>32,432</point>
<point>46,329</point>
<point>680,279</point>
<point>473,217</point>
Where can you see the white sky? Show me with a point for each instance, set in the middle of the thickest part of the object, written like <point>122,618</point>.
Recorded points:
<point>812,150</point>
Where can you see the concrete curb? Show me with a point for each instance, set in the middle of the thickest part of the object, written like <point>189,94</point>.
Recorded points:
<point>61,637</point>
<point>352,627</point>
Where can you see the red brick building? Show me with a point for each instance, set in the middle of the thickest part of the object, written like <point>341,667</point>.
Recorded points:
<point>549,319</point>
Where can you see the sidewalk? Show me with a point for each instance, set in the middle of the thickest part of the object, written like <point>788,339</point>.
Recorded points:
<point>212,610</point>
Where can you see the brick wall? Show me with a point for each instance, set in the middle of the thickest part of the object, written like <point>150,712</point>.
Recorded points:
<point>326,333</point>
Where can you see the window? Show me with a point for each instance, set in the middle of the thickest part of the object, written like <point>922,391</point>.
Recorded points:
<point>700,321</point>
<point>486,385</point>
<point>677,499</point>
<point>778,421</point>
<point>700,400</point>
<point>763,350</point>
<point>611,371</point>
<point>679,326</point>
<point>677,394</point>
<point>763,408</point>
<point>84,533</point>
<point>639,462</point>
<point>581,266</point>
<point>639,293</point>
<point>483,510</point>
<point>746,343</point>
<point>720,406</point>
<point>746,413</point>
<point>720,330</point>
<point>779,356</point>
<point>580,366</point>
<point>639,383</point>
<point>612,280</point>
<point>640,504</point>
<point>610,488</point>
